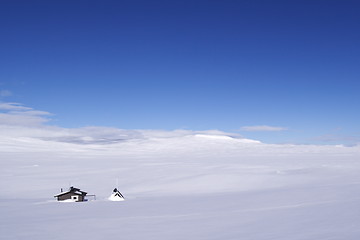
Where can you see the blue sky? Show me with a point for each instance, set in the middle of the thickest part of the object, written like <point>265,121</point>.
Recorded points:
<point>289,70</point>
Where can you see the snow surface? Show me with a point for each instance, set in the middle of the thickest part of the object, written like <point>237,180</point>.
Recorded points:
<point>179,185</point>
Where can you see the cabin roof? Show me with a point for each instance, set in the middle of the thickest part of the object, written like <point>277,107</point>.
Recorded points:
<point>72,190</point>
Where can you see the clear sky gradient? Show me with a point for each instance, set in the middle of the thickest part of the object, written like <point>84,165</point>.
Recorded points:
<point>276,71</point>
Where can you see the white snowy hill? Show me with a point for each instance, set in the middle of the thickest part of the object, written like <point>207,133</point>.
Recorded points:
<point>177,184</point>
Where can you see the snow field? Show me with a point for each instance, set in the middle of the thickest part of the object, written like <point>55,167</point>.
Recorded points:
<point>178,187</point>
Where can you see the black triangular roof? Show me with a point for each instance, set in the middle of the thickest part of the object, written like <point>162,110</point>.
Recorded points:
<point>72,190</point>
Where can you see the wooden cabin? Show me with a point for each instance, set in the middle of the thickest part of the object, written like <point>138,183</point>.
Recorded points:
<point>74,194</point>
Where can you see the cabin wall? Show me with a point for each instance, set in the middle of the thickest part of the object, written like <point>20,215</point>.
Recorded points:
<point>63,197</point>
<point>68,196</point>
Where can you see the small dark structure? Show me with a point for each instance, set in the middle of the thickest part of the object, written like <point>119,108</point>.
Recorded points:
<point>117,193</point>
<point>116,196</point>
<point>74,194</point>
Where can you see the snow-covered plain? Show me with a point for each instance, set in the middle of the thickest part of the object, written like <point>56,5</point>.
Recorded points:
<point>177,185</point>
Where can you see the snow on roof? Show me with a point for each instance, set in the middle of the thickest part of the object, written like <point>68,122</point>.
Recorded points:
<point>115,197</point>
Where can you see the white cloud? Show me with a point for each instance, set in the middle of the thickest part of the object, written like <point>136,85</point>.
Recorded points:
<point>23,120</point>
<point>5,93</point>
<point>182,133</point>
<point>17,114</point>
<point>263,128</point>
<point>32,113</point>
<point>17,120</point>
<point>339,138</point>
<point>11,106</point>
